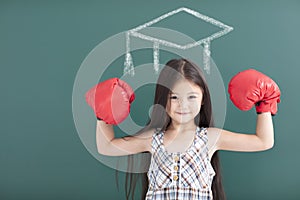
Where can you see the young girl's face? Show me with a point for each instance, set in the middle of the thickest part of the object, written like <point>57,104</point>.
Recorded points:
<point>184,102</point>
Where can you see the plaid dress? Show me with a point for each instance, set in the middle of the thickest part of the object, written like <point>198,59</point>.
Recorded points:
<point>186,175</point>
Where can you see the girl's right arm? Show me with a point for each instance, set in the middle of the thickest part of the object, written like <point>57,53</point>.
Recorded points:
<point>111,101</point>
<point>108,145</point>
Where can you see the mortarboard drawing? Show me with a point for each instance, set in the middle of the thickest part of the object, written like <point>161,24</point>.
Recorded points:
<point>128,64</point>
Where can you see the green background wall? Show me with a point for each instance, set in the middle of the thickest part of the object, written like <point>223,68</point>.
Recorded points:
<point>42,45</point>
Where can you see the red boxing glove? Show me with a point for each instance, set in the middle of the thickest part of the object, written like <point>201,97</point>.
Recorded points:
<point>111,100</point>
<point>250,87</point>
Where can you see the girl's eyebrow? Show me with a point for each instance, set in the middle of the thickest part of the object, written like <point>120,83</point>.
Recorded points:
<point>187,93</point>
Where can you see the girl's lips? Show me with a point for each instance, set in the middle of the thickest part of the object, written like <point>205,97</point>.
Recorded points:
<point>182,113</point>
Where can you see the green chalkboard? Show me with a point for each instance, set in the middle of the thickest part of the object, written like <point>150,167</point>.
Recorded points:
<point>44,44</point>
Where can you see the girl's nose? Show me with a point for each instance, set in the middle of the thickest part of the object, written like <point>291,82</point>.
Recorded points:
<point>182,102</point>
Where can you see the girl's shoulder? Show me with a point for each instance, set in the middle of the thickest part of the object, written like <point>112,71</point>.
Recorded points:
<point>213,135</point>
<point>151,132</point>
<point>213,132</point>
<point>147,134</point>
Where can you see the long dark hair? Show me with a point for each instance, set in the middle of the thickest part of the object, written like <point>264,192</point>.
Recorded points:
<point>174,70</point>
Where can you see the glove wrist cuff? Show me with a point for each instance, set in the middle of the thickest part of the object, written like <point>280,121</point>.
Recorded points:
<point>263,106</point>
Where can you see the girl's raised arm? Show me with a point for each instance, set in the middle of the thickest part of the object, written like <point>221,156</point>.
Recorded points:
<point>107,144</point>
<point>246,89</point>
<point>262,140</point>
<point>111,100</point>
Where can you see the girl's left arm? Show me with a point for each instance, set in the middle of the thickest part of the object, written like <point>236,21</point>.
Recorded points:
<point>262,140</point>
<point>246,89</point>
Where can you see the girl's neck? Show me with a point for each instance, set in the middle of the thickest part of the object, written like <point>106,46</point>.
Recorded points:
<point>182,127</point>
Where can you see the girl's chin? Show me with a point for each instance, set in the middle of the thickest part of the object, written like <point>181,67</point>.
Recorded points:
<point>183,120</point>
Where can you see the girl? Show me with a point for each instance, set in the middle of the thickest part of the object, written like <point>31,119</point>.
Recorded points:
<point>180,135</point>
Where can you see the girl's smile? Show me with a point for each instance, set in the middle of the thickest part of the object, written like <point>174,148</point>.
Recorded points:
<point>183,113</point>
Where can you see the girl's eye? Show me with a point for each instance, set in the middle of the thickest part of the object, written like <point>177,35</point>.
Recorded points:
<point>192,97</point>
<point>173,97</point>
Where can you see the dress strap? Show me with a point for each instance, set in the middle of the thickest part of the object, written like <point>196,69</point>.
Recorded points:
<point>156,140</point>
<point>201,139</point>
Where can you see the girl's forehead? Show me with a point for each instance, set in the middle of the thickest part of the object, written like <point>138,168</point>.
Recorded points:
<point>185,86</point>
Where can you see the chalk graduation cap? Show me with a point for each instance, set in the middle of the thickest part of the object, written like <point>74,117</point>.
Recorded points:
<point>205,42</point>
